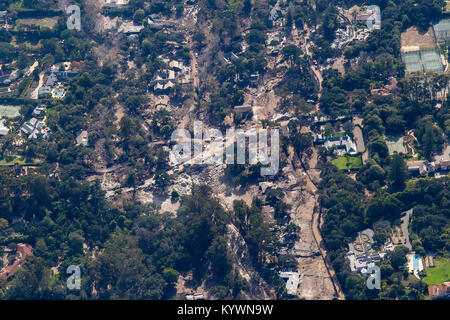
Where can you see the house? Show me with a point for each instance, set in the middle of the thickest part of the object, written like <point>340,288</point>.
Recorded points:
<point>170,85</point>
<point>158,88</point>
<point>417,167</point>
<point>439,291</point>
<point>319,138</point>
<point>371,17</point>
<point>164,87</point>
<point>51,81</point>
<point>76,64</point>
<point>363,17</point>
<point>53,77</point>
<point>344,142</point>
<point>171,75</point>
<point>197,296</point>
<point>364,262</point>
<point>443,160</point>
<point>444,164</point>
<point>114,6</point>
<point>3,77</point>
<point>243,109</point>
<point>39,112</point>
<point>254,78</point>
<point>44,91</point>
<point>388,89</point>
<point>292,280</point>
<point>4,130</point>
<point>3,17</point>
<point>163,77</point>
<point>28,127</point>
<point>155,23</point>
<point>129,30</point>
<point>40,132</point>
<point>274,15</point>
<point>23,250</point>
<point>229,56</point>
<point>268,213</point>
<point>176,66</point>
<point>34,130</point>
<point>6,78</point>
<point>82,138</point>
<point>64,75</point>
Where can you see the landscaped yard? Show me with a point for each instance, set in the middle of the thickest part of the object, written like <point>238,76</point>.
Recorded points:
<point>11,161</point>
<point>43,23</point>
<point>439,273</point>
<point>347,162</point>
<point>338,134</point>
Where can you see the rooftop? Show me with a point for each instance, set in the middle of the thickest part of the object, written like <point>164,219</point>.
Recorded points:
<point>82,138</point>
<point>292,281</point>
<point>439,290</point>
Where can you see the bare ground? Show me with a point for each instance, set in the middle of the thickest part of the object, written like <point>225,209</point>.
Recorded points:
<point>413,37</point>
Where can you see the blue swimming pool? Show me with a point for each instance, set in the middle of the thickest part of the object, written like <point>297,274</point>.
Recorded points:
<point>416,261</point>
<point>59,93</point>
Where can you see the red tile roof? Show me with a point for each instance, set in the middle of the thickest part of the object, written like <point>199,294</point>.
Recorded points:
<point>439,290</point>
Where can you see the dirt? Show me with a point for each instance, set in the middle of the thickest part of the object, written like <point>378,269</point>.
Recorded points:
<point>413,37</point>
<point>35,93</point>
<point>316,280</point>
<point>119,113</point>
<point>264,102</point>
<point>339,65</point>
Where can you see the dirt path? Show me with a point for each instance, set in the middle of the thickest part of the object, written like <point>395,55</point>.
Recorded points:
<point>195,82</point>
<point>35,93</point>
<point>315,226</point>
<point>305,45</point>
<point>314,69</point>
<point>312,176</point>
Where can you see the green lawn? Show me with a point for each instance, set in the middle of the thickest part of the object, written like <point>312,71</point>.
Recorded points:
<point>11,161</point>
<point>439,273</point>
<point>43,23</point>
<point>347,162</point>
<point>339,134</point>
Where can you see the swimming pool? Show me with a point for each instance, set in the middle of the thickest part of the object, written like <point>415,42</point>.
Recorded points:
<point>59,93</point>
<point>416,261</point>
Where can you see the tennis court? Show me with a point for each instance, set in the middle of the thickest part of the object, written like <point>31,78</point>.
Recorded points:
<point>9,111</point>
<point>442,30</point>
<point>395,143</point>
<point>431,61</point>
<point>423,61</point>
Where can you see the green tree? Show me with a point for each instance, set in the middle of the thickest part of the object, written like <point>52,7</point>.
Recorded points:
<point>397,172</point>
<point>139,16</point>
<point>170,275</point>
